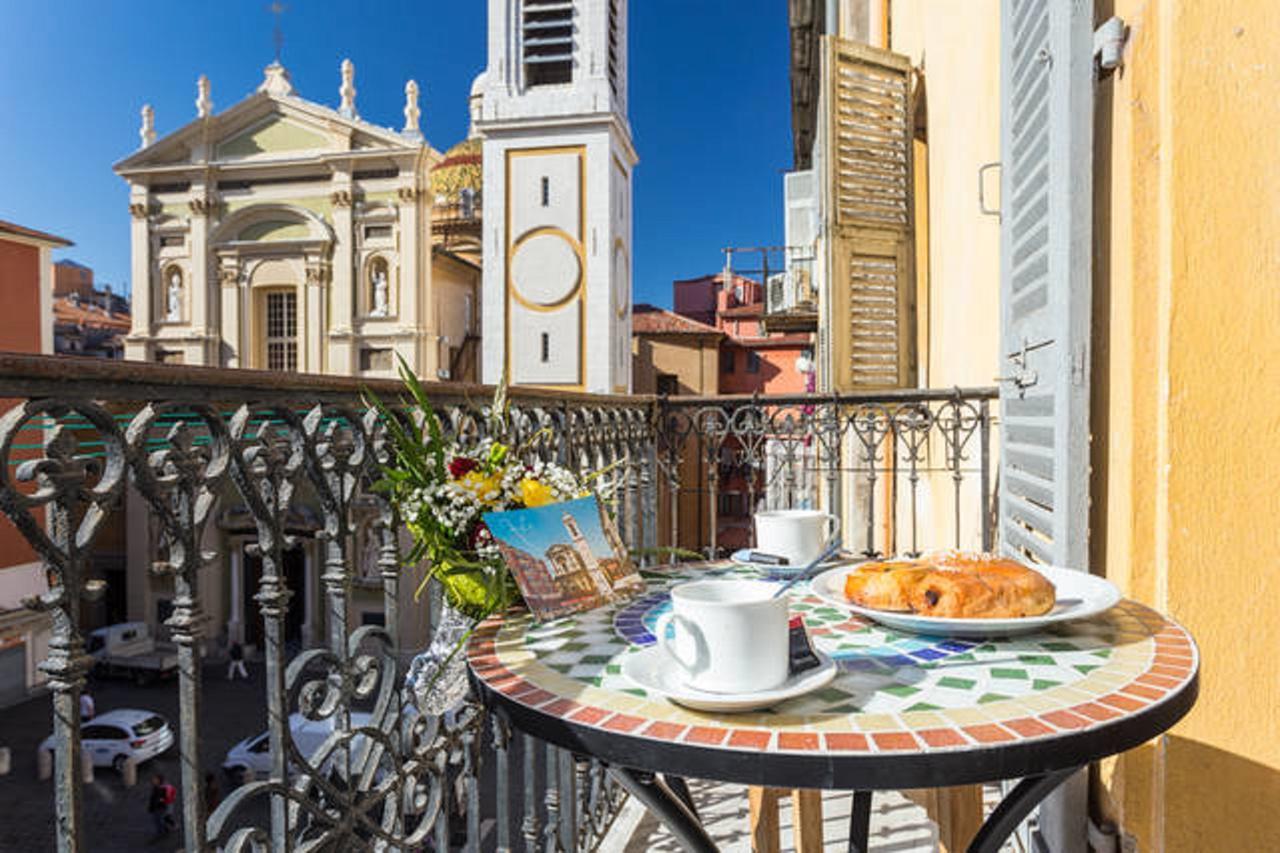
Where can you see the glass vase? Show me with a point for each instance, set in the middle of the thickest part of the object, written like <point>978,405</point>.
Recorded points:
<point>437,676</point>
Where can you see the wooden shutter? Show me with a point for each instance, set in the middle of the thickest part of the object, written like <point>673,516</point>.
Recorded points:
<point>869,152</point>
<point>1046,94</point>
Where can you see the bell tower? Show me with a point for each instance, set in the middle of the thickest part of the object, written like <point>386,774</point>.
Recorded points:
<point>558,161</point>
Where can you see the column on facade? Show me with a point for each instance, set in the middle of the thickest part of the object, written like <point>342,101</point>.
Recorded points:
<point>311,316</point>
<point>139,273</point>
<point>343,283</point>
<point>229,275</point>
<point>409,306</point>
<point>199,294</point>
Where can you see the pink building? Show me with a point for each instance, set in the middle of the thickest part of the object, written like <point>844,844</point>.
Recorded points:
<point>750,359</point>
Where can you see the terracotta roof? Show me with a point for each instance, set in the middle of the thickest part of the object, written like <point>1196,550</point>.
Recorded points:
<point>755,309</point>
<point>66,311</point>
<point>20,231</point>
<point>652,320</point>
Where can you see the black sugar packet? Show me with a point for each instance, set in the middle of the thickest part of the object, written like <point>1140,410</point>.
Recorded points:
<point>800,651</point>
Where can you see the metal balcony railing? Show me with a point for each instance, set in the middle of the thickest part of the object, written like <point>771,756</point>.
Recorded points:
<point>904,468</point>
<point>82,432</point>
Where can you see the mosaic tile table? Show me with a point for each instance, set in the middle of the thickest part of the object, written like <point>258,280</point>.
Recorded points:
<point>905,711</point>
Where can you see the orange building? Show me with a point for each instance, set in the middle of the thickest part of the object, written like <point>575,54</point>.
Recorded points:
<point>26,325</point>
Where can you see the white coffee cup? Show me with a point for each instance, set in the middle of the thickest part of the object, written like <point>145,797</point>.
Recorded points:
<point>730,635</point>
<point>797,534</point>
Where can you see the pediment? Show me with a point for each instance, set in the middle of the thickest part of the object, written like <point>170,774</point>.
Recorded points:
<point>275,136</point>
<point>266,127</point>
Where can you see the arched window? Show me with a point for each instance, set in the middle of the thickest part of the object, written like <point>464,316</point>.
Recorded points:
<point>379,288</point>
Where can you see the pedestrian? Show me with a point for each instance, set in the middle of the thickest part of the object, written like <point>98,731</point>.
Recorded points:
<point>87,709</point>
<point>160,805</point>
<point>237,662</point>
<point>212,796</point>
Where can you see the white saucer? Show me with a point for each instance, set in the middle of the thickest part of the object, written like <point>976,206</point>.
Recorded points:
<point>653,670</point>
<point>1079,596</point>
<point>741,558</point>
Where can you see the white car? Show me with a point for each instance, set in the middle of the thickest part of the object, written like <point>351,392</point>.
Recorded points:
<point>114,737</point>
<point>254,753</point>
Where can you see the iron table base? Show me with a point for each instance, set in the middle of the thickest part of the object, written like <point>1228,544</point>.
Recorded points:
<point>669,801</point>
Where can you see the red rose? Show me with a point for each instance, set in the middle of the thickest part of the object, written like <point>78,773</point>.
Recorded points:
<point>460,466</point>
<point>479,535</point>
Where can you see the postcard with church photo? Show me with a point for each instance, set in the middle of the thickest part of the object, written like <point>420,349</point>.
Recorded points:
<point>566,557</point>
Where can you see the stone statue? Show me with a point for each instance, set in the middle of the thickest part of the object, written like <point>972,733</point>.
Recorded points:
<point>347,91</point>
<point>412,113</point>
<point>175,297</point>
<point>379,293</point>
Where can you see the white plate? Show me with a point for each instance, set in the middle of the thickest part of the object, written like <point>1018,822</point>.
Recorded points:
<point>653,670</point>
<point>1079,595</point>
<point>740,558</point>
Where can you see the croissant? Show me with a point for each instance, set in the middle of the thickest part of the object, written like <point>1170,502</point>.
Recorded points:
<point>953,585</point>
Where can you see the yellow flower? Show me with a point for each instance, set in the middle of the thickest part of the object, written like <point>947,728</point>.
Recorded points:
<point>534,493</point>
<point>486,489</point>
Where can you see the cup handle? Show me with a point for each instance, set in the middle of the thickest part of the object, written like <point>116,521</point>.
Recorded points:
<point>668,646</point>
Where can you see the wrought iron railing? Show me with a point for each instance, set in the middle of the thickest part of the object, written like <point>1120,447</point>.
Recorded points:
<point>904,470</point>
<point>189,440</point>
<point>84,432</point>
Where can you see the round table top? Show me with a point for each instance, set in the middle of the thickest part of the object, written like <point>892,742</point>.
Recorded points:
<point>904,710</point>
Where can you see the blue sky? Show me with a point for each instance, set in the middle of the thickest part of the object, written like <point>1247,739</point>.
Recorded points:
<point>709,106</point>
<point>536,530</point>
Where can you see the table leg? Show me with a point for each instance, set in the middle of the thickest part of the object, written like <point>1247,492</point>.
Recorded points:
<point>859,821</point>
<point>765,827</point>
<point>806,811</point>
<point>666,807</point>
<point>1011,811</point>
<point>680,788</point>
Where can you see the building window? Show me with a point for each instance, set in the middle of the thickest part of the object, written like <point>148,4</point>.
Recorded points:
<point>282,330</point>
<point>546,347</point>
<point>668,384</point>
<point>726,361</point>
<point>375,358</point>
<point>169,356</point>
<point>546,191</point>
<point>613,45</point>
<point>377,232</point>
<point>546,31</point>
<point>753,361</point>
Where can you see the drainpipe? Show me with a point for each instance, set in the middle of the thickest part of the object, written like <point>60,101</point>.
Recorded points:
<point>832,22</point>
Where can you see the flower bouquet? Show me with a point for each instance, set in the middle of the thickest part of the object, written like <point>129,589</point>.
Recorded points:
<point>441,488</point>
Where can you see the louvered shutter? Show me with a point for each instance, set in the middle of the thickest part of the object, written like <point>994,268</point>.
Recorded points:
<point>1046,194</point>
<point>869,150</point>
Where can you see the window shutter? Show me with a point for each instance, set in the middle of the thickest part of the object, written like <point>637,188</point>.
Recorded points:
<point>1046,94</point>
<point>873,278</point>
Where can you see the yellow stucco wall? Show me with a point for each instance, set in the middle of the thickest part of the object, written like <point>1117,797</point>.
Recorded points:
<point>960,308</point>
<point>1186,386</point>
<point>1187,401</point>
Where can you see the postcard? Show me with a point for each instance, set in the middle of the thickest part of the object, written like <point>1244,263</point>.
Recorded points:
<point>566,557</point>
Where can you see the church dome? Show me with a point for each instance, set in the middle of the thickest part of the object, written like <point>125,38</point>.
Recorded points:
<point>459,170</point>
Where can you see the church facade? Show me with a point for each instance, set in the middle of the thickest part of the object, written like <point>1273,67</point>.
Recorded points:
<point>282,234</point>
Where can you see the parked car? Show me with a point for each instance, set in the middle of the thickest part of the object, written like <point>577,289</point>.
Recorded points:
<point>254,753</point>
<point>112,738</point>
<point>128,649</point>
